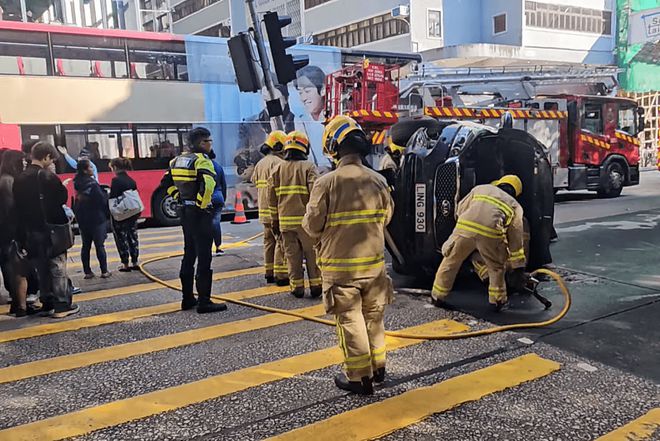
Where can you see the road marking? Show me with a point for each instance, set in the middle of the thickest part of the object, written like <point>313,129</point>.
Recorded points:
<point>411,407</point>
<point>640,429</point>
<point>150,345</point>
<point>142,406</point>
<point>178,245</point>
<point>122,316</point>
<point>78,264</point>
<point>151,286</point>
<point>141,239</point>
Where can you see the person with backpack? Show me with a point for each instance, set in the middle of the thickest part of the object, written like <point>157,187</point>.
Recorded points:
<point>125,231</point>
<point>91,208</point>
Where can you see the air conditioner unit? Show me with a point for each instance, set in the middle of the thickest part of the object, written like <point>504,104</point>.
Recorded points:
<point>400,11</point>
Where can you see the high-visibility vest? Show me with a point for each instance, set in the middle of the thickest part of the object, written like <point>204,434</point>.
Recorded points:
<point>192,179</point>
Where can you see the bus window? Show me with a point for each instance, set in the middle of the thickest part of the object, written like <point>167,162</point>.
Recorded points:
<point>83,56</point>
<point>158,60</point>
<point>627,121</point>
<point>23,53</point>
<point>593,120</point>
<point>158,144</point>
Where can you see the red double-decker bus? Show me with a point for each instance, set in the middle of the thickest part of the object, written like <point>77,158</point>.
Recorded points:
<point>136,94</point>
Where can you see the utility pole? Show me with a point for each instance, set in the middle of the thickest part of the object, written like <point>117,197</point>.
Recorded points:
<point>276,122</point>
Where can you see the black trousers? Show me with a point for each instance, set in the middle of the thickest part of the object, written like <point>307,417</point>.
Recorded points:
<point>198,239</point>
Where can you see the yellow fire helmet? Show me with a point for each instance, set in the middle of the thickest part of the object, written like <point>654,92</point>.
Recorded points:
<point>394,148</point>
<point>276,140</point>
<point>513,181</point>
<point>297,140</point>
<point>335,132</point>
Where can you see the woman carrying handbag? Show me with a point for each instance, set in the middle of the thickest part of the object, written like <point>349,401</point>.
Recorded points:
<point>125,207</point>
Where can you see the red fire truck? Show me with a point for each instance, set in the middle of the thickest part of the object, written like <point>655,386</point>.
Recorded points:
<point>591,140</point>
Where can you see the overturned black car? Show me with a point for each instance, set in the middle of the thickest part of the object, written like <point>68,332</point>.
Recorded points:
<point>444,161</point>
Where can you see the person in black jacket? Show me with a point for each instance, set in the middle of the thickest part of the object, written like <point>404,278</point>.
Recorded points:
<point>91,210</point>
<point>125,232</point>
<point>33,233</point>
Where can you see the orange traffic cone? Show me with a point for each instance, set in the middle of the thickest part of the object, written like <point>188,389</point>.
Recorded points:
<point>239,211</point>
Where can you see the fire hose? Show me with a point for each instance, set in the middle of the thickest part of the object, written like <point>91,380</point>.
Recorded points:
<point>478,333</point>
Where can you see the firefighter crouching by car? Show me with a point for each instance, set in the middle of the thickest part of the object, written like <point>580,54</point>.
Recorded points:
<point>275,267</point>
<point>190,180</point>
<point>490,221</point>
<point>289,187</point>
<point>346,215</point>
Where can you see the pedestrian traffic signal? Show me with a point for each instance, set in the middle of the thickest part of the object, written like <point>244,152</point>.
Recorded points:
<point>285,65</point>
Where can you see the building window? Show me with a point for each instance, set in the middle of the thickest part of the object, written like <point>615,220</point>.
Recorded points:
<point>568,18</point>
<point>363,32</point>
<point>188,7</point>
<point>499,24</point>
<point>434,23</point>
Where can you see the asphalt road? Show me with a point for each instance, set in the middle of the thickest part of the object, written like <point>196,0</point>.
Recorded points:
<point>132,367</point>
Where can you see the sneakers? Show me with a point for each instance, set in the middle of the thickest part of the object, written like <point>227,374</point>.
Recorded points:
<point>73,309</point>
<point>89,276</point>
<point>32,298</point>
<point>219,252</point>
<point>106,275</point>
<point>75,290</point>
<point>46,311</point>
<point>364,387</point>
<point>188,303</point>
<point>315,291</point>
<point>209,307</point>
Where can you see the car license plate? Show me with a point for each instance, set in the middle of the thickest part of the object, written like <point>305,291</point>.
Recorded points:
<point>420,208</point>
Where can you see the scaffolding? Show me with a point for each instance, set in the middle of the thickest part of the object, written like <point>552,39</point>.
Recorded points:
<point>648,150</point>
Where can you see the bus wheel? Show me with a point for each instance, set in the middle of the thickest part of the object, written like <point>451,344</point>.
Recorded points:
<point>612,183</point>
<point>165,209</point>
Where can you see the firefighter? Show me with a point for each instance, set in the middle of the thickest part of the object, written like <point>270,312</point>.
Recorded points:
<point>346,215</point>
<point>275,267</point>
<point>490,221</point>
<point>289,186</point>
<point>190,180</point>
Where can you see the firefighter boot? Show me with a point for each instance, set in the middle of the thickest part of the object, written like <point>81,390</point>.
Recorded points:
<point>379,375</point>
<point>363,387</point>
<point>315,291</point>
<point>270,279</point>
<point>298,293</point>
<point>205,304</point>
<point>188,301</point>
<point>282,282</point>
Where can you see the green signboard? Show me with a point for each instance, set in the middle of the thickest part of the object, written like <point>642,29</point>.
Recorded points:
<point>641,62</point>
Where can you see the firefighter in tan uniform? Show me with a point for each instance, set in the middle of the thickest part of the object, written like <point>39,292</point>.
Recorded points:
<point>490,221</point>
<point>289,187</point>
<point>347,214</point>
<point>275,267</point>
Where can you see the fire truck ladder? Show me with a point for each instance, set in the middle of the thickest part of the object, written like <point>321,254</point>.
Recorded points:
<point>427,84</point>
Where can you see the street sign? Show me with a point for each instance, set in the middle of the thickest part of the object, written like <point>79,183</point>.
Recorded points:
<point>644,26</point>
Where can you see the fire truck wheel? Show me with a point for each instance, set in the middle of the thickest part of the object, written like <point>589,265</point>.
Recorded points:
<point>165,209</point>
<point>612,182</point>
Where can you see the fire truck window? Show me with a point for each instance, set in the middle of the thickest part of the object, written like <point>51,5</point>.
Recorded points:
<point>550,106</point>
<point>593,120</point>
<point>627,121</point>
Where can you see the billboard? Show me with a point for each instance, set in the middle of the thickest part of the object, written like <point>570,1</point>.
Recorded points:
<point>644,26</point>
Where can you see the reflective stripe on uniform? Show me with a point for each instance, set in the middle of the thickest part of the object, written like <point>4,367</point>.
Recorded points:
<point>291,220</point>
<point>261,183</point>
<point>437,289</point>
<point>482,230</point>
<point>356,217</point>
<point>291,189</point>
<point>269,266</point>
<point>358,362</point>
<point>351,264</point>
<point>264,213</point>
<point>517,255</point>
<point>297,283</point>
<point>508,211</point>
<point>315,282</point>
<point>378,354</point>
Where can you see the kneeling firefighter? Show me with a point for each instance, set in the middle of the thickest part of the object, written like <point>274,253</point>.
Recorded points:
<point>275,267</point>
<point>490,221</point>
<point>289,187</point>
<point>191,181</point>
<point>346,215</point>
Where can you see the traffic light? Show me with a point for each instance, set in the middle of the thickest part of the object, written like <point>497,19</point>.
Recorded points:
<point>285,65</point>
<point>242,57</point>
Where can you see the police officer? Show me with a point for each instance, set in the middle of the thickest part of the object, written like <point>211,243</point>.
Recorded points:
<point>191,181</point>
<point>275,267</point>
<point>346,215</point>
<point>289,187</point>
<point>490,221</point>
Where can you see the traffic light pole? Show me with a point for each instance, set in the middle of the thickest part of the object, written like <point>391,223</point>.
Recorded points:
<point>277,121</point>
